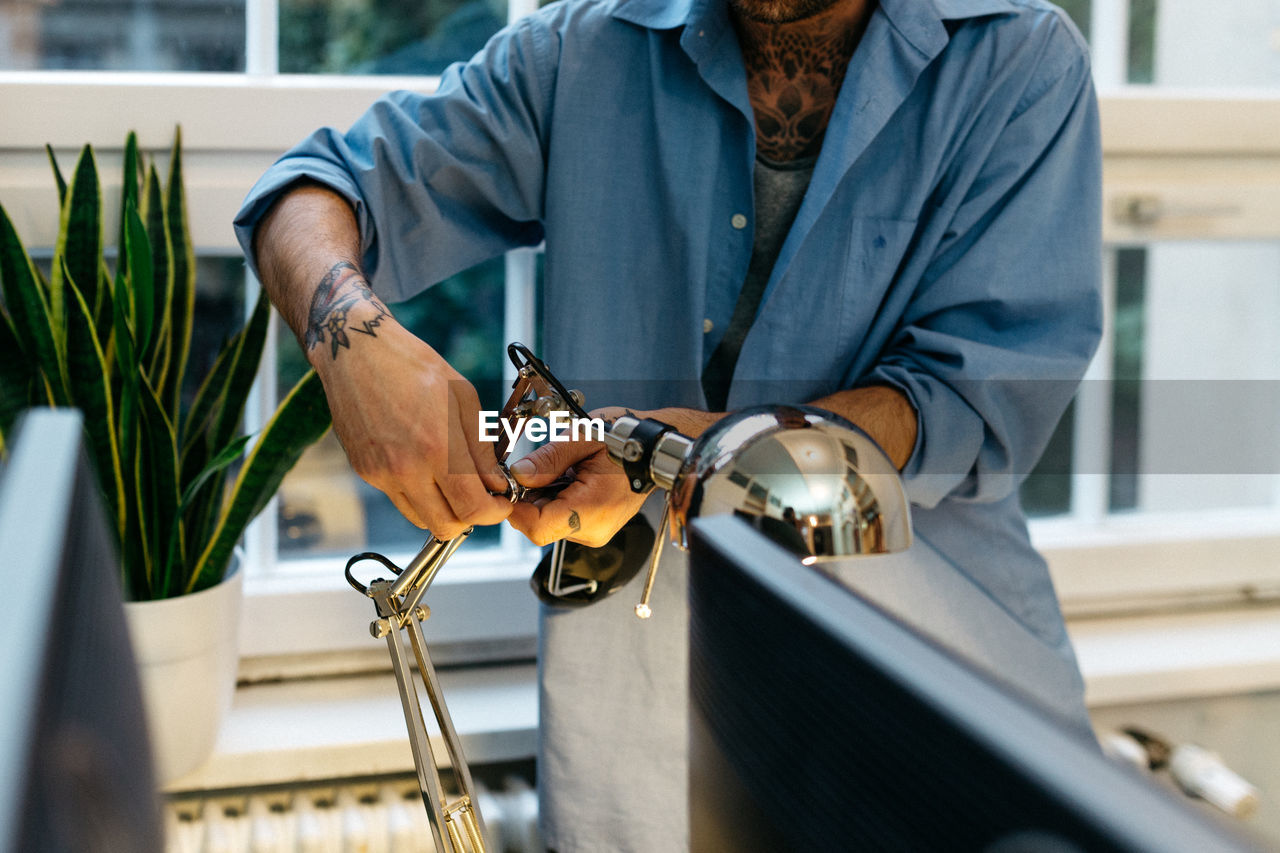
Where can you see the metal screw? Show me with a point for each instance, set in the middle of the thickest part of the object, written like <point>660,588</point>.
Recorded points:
<point>632,450</point>
<point>421,613</point>
<point>637,484</point>
<point>379,628</point>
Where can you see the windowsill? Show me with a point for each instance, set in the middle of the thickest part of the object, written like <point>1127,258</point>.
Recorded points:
<point>1181,655</point>
<point>321,729</point>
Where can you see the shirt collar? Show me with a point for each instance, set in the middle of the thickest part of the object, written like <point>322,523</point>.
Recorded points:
<point>918,20</point>
<point>921,22</point>
<point>660,14</point>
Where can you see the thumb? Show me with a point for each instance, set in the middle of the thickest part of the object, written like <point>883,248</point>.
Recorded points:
<point>544,466</point>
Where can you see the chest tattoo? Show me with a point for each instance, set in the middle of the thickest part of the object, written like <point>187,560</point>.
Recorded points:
<point>793,78</point>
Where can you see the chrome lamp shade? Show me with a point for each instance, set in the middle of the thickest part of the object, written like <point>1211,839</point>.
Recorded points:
<point>809,480</point>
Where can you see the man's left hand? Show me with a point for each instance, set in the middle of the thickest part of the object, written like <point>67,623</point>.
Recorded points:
<point>592,508</point>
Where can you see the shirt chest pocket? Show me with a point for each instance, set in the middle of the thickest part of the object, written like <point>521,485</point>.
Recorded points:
<point>875,250</point>
<point>826,313</point>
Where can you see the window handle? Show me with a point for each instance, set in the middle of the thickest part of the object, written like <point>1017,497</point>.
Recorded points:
<point>1148,209</point>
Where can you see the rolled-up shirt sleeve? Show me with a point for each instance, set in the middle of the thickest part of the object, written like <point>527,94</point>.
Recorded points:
<point>1007,313</point>
<point>427,209</point>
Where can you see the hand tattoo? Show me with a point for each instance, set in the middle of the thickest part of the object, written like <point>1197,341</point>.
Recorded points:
<point>574,523</point>
<point>342,288</point>
<point>609,422</point>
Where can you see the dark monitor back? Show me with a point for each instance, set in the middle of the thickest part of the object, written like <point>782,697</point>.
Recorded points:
<point>75,765</point>
<point>820,723</point>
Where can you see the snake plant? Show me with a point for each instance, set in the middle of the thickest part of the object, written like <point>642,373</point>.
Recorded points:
<point>114,343</point>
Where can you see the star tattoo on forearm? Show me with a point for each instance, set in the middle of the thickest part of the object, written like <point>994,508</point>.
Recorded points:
<point>342,288</point>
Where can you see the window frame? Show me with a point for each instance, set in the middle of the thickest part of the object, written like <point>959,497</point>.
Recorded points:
<point>1206,150</point>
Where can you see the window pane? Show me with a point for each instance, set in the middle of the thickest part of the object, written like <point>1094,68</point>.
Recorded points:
<point>325,508</point>
<point>1193,44</point>
<point>383,36</point>
<point>1079,12</point>
<point>219,314</point>
<point>123,35</point>
<point>1126,413</point>
<point>1197,406</point>
<point>1142,41</point>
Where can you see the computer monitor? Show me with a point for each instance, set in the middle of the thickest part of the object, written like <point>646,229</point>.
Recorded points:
<point>75,766</point>
<point>820,723</point>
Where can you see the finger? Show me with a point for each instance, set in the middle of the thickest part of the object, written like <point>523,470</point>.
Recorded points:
<point>426,508</point>
<point>464,399</point>
<point>546,524</point>
<point>544,465</point>
<point>465,492</point>
<point>524,518</point>
<point>406,508</point>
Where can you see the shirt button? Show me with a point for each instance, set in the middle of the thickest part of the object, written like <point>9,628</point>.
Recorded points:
<point>739,221</point>
<point>707,326</point>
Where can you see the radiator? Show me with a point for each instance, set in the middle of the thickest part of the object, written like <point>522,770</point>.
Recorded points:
<point>359,817</point>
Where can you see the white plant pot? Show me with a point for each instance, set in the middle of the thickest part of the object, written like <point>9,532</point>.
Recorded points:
<point>187,649</point>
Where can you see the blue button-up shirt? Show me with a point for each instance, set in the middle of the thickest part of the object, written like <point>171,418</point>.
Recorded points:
<point>949,237</point>
<point>948,245</point>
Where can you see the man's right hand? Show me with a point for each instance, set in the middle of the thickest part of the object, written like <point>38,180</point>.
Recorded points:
<point>407,420</point>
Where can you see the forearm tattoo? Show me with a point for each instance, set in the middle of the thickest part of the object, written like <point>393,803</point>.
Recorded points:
<point>342,288</point>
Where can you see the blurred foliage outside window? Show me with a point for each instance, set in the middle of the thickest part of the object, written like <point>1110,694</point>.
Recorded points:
<point>382,36</point>
<point>123,35</point>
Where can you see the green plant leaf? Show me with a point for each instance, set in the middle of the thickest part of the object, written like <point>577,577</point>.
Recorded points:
<point>25,297</point>
<point>127,376</point>
<point>136,259</point>
<point>138,548</point>
<point>303,416</point>
<point>219,406</point>
<point>104,310</point>
<point>160,490</point>
<point>199,420</point>
<point>156,355</point>
<point>91,393</point>
<point>201,517</point>
<point>199,499</point>
<point>57,176</point>
<point>79,250</point>
<point>183,262</point>
<point>224,459</point>
<point>243,371</point>
<point>129,182</point>
<point>16,376</point>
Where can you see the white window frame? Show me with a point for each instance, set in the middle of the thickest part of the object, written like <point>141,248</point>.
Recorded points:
<point>1212,159</point>
<point>1197,150</point>
<point>483,608</point>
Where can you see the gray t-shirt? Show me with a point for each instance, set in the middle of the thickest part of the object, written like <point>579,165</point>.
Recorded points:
<point>779,189</point>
